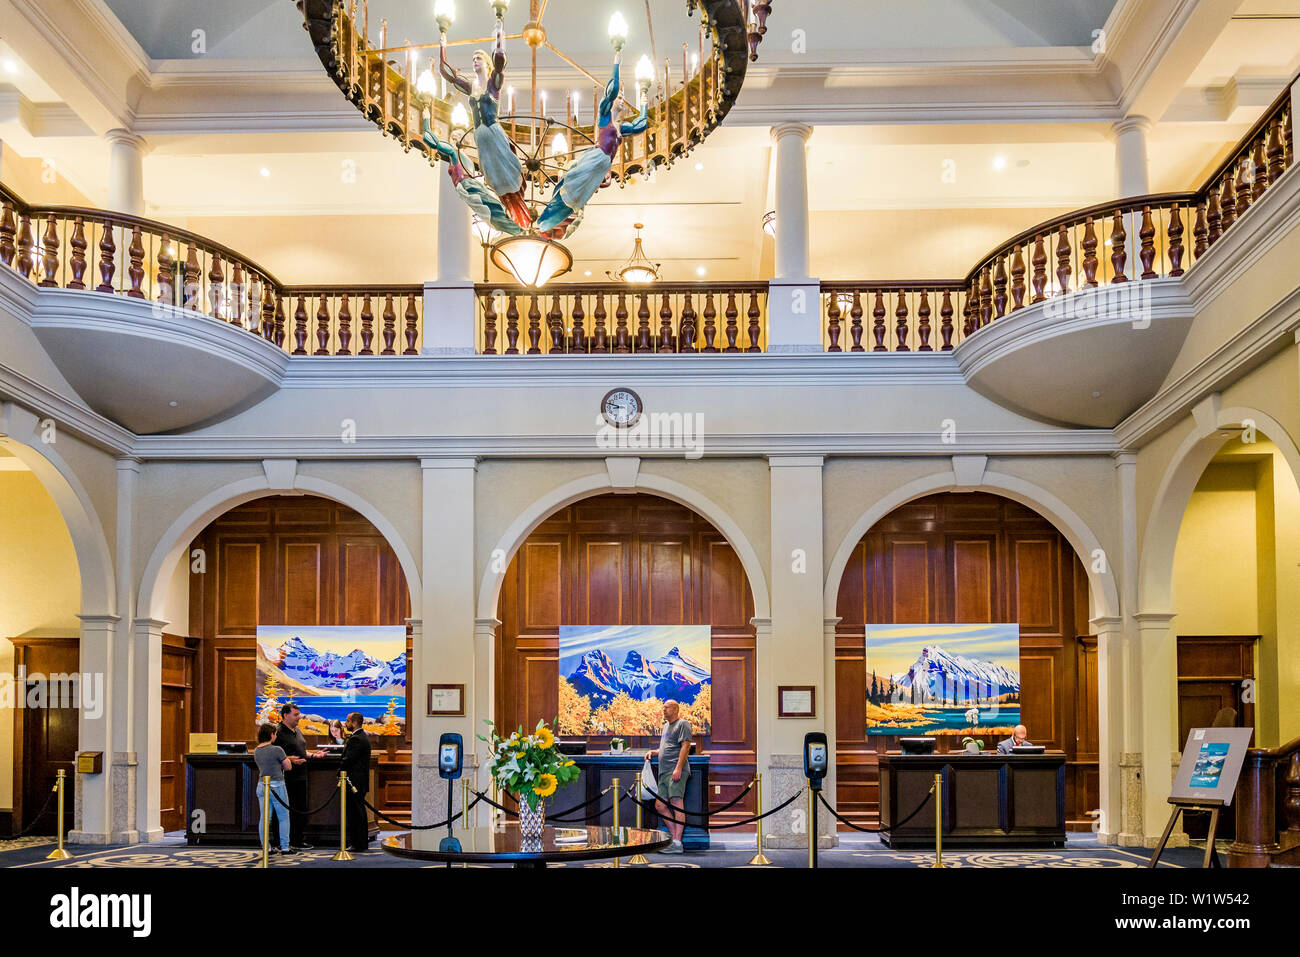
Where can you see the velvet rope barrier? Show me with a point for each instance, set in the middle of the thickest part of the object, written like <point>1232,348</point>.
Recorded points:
<point>723,827</point>
<point>293,810</point>
<point>873,830</point>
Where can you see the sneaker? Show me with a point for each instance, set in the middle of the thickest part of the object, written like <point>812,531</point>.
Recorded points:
<point>289,851</point>
<point>302,847</point>
<point>673,848</point>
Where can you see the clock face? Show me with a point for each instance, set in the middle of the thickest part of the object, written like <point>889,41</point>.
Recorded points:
<point>621,407</point>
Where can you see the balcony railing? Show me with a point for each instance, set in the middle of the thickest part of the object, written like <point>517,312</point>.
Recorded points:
<point>1130,240</point>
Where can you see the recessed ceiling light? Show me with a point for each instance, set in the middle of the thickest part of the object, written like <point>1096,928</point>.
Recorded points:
<point>173,403</point>
<point>699,166</point>
<point>11,66</point>
<point>587,272</point>
<point>700,271</point>
<point>265,171</point>
<point>999,162</point>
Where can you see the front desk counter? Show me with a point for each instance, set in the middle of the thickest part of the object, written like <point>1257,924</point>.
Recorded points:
<point>989,800</point>
<point>599,771</point>
<point>224,788</point>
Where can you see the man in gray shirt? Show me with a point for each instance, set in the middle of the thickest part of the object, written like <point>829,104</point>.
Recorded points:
<point>674,752</point>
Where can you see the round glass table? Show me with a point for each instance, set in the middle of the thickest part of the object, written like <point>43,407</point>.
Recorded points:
<point>503,844</point>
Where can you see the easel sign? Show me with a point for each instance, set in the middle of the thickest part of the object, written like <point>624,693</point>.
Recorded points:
<point>1206,781</point>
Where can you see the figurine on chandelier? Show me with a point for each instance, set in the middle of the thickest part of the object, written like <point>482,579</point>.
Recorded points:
<point>476,194</point>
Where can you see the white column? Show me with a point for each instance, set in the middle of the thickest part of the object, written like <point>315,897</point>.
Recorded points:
<point>445,644</point>
<point>125,172</point>
<point>125,770</point>
<point>1131,174</point>
<point>1110,726</point>
<point>449,309</point>
<point>794,297</point>
<point>93,797</point>
<point>1157,645</point>
<point>1128,680</point>
<point>147,720</point>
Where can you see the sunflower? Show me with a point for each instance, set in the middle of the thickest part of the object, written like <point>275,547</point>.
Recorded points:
<point>544,738</point>
<point>546,785</point>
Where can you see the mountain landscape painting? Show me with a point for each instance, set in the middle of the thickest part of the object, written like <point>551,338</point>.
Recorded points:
<point>614,679</point>
<point>943,679</point>
<point>329,672</point>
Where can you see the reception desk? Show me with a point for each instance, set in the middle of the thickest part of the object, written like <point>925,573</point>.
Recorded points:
<point>989,800</point>
<point>599,771</point>
<point>224,788</point>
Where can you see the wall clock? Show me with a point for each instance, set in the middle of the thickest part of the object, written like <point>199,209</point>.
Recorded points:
<point>621,408</point>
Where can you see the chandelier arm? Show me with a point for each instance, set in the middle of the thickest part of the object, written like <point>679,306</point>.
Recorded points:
<point>586,73</point>
<point>436,43</point>
<point>541,12</point>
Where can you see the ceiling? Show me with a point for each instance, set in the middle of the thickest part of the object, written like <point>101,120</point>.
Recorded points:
<point>249,141</point>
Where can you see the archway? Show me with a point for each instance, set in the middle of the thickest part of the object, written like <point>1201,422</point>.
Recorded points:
<point>619,560</point>
<point>967,557</point>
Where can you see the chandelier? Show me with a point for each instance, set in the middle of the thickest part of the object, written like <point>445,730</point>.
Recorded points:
<point>527,169</point>
<point>638,268</point>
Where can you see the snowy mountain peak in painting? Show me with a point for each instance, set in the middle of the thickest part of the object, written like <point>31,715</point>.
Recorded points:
<point>937,673</point>
<point>355,671</point>
<point>674,675</point>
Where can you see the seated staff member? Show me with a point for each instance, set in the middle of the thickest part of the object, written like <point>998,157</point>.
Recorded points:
<point>356,762</point>
<point>272,763</point>
<point>674,752</point>
<point>288,737</point>
<point>1019,736</point>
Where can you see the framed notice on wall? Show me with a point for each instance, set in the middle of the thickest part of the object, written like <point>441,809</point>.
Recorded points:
<point>796,701</point>
<point>446,701</point>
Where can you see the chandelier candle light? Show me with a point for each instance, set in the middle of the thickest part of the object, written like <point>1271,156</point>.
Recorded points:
<point>531,768</point>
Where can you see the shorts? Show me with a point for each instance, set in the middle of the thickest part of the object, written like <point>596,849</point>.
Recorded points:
<point>668,788</point>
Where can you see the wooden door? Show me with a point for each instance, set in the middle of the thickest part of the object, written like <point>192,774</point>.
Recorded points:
<point>45,738</point>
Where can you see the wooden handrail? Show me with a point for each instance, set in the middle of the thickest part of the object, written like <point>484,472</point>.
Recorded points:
<point>1268,807</point>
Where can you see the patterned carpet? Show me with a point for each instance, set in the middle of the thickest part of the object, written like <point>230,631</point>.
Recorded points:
<point>1082,852</point>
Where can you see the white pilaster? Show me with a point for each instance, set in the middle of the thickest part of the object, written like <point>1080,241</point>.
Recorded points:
<point>147,720</point>
<point>1132,177</point>
<point>126,172</point>
<point>794,297</point>
<point>124,769</point>
<point>449,309</point>
<point>1132,784</point>
<point>93,801</point>
<point>1110,726</point>
<point>1158,649</point>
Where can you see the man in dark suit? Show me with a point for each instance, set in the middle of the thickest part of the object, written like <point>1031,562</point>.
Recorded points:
<point>291,739</point>
<point>356,762</point>
<point>1019,736</point>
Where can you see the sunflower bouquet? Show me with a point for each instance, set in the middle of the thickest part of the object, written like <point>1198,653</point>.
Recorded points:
<point>529,766</point>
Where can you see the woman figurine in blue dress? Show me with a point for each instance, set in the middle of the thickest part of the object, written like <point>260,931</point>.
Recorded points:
<point>591,170</point>
<point>496,157</point>
<point>477,195</point>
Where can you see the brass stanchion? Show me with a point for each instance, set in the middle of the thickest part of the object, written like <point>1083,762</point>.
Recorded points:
<point>812,830</point>
<point>343,854</point>
<point>59,854</point>
<point>464,809</point>
<point>615,789</point>
<point>266,820</point>
<point>493,814</point>
<point>638,857</point>
<point>759,859</point>
<point>937,790</point>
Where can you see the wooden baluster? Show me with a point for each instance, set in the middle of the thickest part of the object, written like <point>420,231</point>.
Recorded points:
<point>26,241</point>
<point>77,265</point>
<point>731,331</point>
<point>986,298</point>
<point>945,322</point>
<point>666,343</point>
<point>8,229</point>
<point>300,328</point>
<point>1147,244</point>
<point>1276,151</point>
<point>855,324</point>
<point>367,327</point>
<point>1228,203</point>
<point>269,310</point>
<point>643,343</point>
<point>1200,231</point>
<point>710,328</point>
<point>1291,798</point>
<point>1089,254</point>
<point>686,339</point>
<point>878,322</point>
<point>1242,188</point>
<point>1018,280</point>
<point>215,280</point>
<point>166,272</point>
<point>578,342</point>
<point>412,330</point>
<point>833,323</point>
<point>754,330</point>
<point>237,296</point>
<point>923,315</point>
<point>1000,288</point>
<point>622,343</point>
<point>50,254</point>
<point>1288,138</point>
<point>1260,179</point>
<point>1118,249</point>
<point>534,327</point>
<point>1175,235</point>
<point>970,309</point>
<point>555,325</point>
<point>193,279</point>
<point>136,272</point>
<point>600,337</point>
<point>389,332</point>
<point>1039,262</point>
<point>345,327</point>
<point>489,325</point>
<point>1063,269</point>
<point>512,325</point>
<point>322,328</point>
<point>1213,219</point>
<point>279,320</point>
<point>900,322</point>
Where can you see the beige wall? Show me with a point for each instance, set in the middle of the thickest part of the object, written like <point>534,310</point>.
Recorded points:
<point>1215,578</point>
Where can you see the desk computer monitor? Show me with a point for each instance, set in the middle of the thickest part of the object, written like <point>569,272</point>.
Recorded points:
<point>573,747</point>
<point>1028,749</point>
<point>916,745</point>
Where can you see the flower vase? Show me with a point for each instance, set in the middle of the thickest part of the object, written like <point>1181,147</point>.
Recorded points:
<point>531,822</point>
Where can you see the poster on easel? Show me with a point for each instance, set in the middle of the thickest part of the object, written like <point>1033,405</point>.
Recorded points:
<point>1211,764</point>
